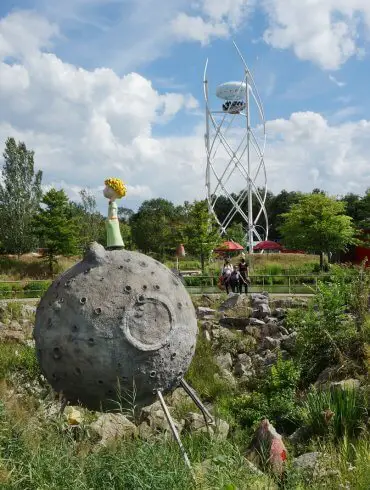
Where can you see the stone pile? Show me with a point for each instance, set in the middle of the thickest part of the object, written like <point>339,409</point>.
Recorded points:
<point>253,328</point>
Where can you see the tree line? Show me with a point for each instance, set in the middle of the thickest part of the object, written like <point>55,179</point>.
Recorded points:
<point>31,219</point>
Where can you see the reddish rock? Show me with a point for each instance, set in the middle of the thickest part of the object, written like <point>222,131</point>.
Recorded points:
<point>268,448</point>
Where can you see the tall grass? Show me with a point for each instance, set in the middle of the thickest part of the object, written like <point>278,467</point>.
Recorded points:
<point>338,412</point>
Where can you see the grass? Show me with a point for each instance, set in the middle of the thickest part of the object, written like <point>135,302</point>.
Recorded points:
<point>46,454</point>
<point>18,358</point>
<point>29,267</point>
<point>338,412</point>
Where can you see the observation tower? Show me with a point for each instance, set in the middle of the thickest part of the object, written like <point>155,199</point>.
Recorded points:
<point>235,141</point>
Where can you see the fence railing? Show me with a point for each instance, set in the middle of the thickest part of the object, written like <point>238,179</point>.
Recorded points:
<point>288,284</point>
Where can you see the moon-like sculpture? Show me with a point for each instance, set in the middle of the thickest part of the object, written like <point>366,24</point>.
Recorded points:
<point>118,325</point>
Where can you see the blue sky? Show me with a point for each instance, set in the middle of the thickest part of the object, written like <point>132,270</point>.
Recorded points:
<point>114,87</point>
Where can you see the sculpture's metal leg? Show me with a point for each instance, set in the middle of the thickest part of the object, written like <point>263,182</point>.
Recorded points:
<point>174,430</point>
<point>209,420</point>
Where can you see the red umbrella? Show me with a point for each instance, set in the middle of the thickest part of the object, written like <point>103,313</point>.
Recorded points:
<point>268,245</point>
<point>229,247</point>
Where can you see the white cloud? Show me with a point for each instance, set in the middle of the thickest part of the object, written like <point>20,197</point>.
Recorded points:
<point>84,125</point>
<point>190,28</point>
<point>214,19</point>
<point>305,151</point>
<point>323,31</point>
<point>88,125</point>
<point>337,82</point>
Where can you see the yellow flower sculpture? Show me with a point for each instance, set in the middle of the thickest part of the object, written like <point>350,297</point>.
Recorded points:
<point>117,185</point>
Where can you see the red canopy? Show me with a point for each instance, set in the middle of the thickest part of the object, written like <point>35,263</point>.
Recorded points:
<point>268,245</point>
<point>228,247</point>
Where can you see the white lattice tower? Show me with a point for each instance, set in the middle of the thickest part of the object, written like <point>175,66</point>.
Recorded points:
<point>235,142</point>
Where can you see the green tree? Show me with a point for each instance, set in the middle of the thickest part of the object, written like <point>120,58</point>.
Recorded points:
<point>237,234</point>
<point>154,227</point>
<point>89,221</point>
<point>317,224</point>
<point>20,195</point>
<point>276,207</point>
<point>55,227</point>
<point>201,231</point>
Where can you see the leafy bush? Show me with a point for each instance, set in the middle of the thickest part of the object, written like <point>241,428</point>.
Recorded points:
<point>337,411</point>
<point>327,335</point>
<point>35,289</point>
<point>276,399</point>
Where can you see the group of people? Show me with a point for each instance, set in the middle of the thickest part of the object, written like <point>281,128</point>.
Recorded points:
<point>235,277</point>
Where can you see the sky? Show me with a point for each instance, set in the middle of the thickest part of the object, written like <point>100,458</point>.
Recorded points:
<point>101,88</point>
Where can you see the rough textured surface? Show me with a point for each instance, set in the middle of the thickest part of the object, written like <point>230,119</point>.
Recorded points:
<point>115,320</point>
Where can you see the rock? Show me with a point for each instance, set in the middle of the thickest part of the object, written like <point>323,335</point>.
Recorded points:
<point>245,360</point>
<point>17,336</point>
<point>207,325</point>
<point>307,461</point>
<point>270,329</point>
<point>299,435</point>
<point>73,415</point>
<point>195,423</point>
<point>267,448</point>
<point>156,418</point>
<point>237,323</point>
<point>269,358</point>
<point>255,322</point>
<point>224,361</point>
<point>223,334</point>
<point>346,384</point>
<point>203,311</point>
<point>258,298</point>
<point>326,375</point>
<point>271,343</point>
<point>262,311</point>
<point>207,336</point>
<point>288,342</point>
<point>113,426</point>
<point>222,429</point>
<point>234,300</point>
<point>283,330</point>
<point>144,431</point>
<point>178,397</point>
<point>14,325</point>
<point>227,377</point>
<point>279,313</point>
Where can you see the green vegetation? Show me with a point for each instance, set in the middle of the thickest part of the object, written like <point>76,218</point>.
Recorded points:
<point>317,223</point>
<point>20,194</point>
<point>54,227</point>
<point>39,451</point>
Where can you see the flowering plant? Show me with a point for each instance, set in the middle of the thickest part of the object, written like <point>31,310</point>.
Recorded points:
<point>117,185</point>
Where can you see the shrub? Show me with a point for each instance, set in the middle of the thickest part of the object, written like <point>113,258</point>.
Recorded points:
<point>327,335</point>
<point>276,399</point>
<point>35,289</point>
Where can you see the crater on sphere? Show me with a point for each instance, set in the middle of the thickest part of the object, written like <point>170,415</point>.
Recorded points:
<point>148,323</point>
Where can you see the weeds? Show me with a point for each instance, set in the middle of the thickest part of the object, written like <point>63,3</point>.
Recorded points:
<point>338,412</point>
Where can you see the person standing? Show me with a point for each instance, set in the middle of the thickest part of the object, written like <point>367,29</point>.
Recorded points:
<point>244,276</point>
<point>235,280</point>
<point>226,273</point>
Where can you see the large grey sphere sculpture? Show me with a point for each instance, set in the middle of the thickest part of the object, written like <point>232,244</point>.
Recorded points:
<point>116,323</point>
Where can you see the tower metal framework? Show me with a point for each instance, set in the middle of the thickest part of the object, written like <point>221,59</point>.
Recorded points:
<point>235,141</point>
